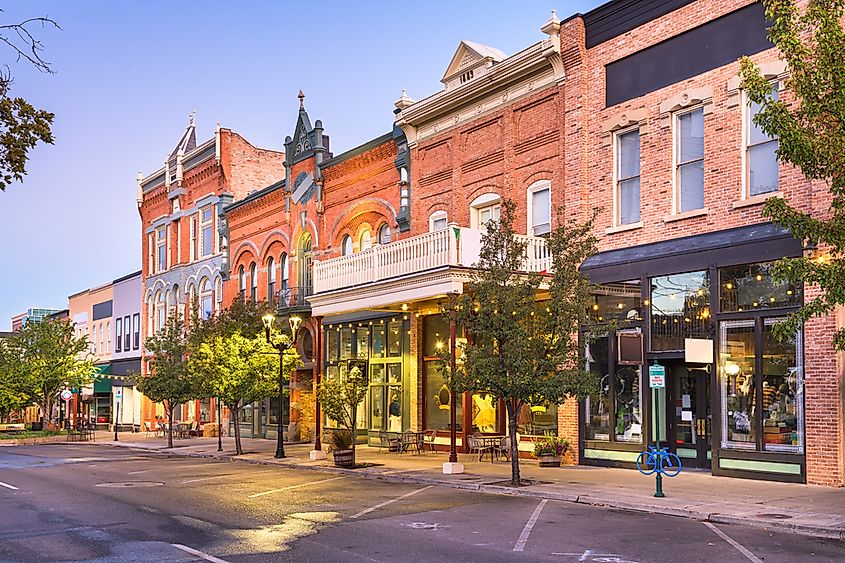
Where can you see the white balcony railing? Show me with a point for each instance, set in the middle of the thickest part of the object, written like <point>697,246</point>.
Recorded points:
<point>454,246</point>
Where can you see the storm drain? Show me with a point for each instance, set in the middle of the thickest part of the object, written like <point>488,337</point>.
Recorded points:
<point>775,516</point>
<point>130,485</point>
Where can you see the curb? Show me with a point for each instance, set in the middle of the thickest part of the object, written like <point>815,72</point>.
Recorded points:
<point>826,532</point>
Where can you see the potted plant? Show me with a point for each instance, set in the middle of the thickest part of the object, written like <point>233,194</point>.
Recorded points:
<point>549,449</point>
<point>339,399</point>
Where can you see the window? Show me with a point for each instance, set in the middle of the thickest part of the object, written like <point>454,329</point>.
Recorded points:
<point>680,309</point>
<point>689,160</point>
<point>161,248</point>
<point>614,412</point>
<point>539,209</point>
<point>118,330</point>
<point>253,282</point>
<point>101,338</point>
<point>271,279</point>
<point>365,242</point>
<point>761,154</point>
<point>628,177</point>
<point>126,328</point>
<point>206,299</point>
<point>438,221</point>
<point>160,310</point>
<point>751,287</point>
<point>136,329</point>
<point>283,263</point>
<point>192,251</point>
<point>304,263</point>
<point>241,282</point>
<point>384,234</point>
<point>483,209</point>
<point>346,245</point>
<point>108,337</point>
<point>206,226</point>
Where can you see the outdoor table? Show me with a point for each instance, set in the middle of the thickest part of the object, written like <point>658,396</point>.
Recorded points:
<point>488,443</point>
<point>409,439</point>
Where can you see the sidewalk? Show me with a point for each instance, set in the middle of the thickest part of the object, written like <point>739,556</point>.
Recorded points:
<point>805,509</point>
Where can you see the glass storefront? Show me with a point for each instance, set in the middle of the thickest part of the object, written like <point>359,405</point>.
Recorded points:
<point>614,413</point>
<point>436,399</point>
<point>680,309</point>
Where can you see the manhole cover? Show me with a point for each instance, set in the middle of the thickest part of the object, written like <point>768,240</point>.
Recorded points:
<point>131,485</point>
<point>775,516</point>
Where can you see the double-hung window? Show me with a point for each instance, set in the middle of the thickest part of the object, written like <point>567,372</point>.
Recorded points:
<point>689,160</point>
<point>192,251</point>
<point>539,208</point>
<point>242,282</point>
<point>346,245</point>
<point>628,177</point>
<point>161,248</point>
<point>760,154</point>
<point>253,282</point>
<point>438,221</point>
<point>126,328</point>
<point>271,279</point>
<point>118,331</point>
<point>488,213</point>
<point>136,329</point>
<point>207,218</point>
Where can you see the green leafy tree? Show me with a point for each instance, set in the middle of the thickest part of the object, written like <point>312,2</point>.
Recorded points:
<point>810,126</point>
<point>41,359</point>
<point>340,400</point>
<point>11,398</point>
<point>522,350</point>
<point>239,370</point>
<point>22,126</point>
<point>169,381</point>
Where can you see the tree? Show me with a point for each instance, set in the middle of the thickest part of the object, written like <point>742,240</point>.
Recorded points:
<point>340,400</point>
<point>22,126</point>
<point>41,359</point>
<point>11,398</point>
<point>169,380</point>
<point>811,132</point>
<point>239,370</point>
<point>522,350</point>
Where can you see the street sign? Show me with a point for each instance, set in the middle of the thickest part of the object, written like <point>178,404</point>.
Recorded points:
<point>656,376</point>
<point>118,392</point>
<point>66,395</point>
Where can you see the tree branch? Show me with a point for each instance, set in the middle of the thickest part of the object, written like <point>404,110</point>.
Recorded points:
<point>18,37</point>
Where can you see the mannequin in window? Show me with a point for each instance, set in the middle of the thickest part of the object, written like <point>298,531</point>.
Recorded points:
<point>394,412</point>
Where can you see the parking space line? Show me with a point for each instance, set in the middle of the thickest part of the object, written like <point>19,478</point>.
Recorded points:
<point>198,553</point>
<point>526,531</point>
<point>8,486</point>
<point>391,501</point>
<point>271,491</point>
<point>739,547</point>
<point>206,478</point>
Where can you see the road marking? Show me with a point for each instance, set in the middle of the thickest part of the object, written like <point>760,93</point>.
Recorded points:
<point>8,486</point>
<point>526,531</point>
<point>391,501</point>
<point>750,556</point>
<point>198,553</point>
<point>160,468</point>
<point>271,491</point>
<point>205,478</point>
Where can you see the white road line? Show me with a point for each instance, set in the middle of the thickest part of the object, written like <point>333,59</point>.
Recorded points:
<point>391,501</point>
<point>8,486</point>
<point>198,553</point>
<point>526,531</point>
<point>750,556</point>
<point>161,468</point>
<point>205,479</point>
<point>271,491</point>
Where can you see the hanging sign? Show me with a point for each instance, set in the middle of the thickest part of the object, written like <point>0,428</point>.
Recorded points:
<point>118,392</point>
<point>66,395</point>
<point>656,376</point>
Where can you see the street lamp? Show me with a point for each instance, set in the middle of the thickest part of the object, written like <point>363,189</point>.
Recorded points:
<point>282,347</point>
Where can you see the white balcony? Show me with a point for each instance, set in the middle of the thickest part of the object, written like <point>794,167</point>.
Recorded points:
<point>455,246</point>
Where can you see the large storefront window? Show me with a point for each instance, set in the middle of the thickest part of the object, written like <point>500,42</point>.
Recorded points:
<point>614,412</point>
<point>617,302</point>
<point>484,412</point>
<point>751,287</point>
<point>437,396</point>
<point>680,309</point>
<point>738,354</point>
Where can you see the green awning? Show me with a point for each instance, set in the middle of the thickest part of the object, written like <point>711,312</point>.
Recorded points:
<point>102,383</point>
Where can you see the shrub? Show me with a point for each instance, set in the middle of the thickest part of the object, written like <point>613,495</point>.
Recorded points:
<point>551,445</point>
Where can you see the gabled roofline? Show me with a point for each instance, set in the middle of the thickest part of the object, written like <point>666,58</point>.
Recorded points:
<point>356,151</point>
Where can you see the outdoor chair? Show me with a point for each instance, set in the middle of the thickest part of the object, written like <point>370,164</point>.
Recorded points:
<point>429,438</point>
<point>504,448</point>
<point>409,441</point>
<point>147,429</point>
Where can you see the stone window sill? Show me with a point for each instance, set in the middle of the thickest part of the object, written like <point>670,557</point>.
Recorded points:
<point>624,228</point>
<point>686,215</point>
<point>755,200</point>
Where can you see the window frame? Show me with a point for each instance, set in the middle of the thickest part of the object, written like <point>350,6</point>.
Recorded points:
<point>241,282</point>
<point>346,248</point>
<point>161,249</point>
<point>383,235</point>
<point>271,278</point>
<point>439,215</point>
<point>118,330</point>
<point>677,164</point>
<point>617,175</point>
<point>203,225</point>
<point>136,330</point>
<point>253,282</point>
<point>537,187</point>
<point>747,127</point>
<point>491,201</point>
<point>126,331</point>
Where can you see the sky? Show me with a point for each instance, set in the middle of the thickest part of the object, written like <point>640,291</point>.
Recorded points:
<point>128,74</point>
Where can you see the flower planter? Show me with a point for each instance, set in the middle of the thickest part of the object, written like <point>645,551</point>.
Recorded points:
<point>343,458</point>
<point>549,461</point>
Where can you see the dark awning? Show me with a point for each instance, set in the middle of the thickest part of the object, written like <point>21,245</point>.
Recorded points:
<point>743,245</point>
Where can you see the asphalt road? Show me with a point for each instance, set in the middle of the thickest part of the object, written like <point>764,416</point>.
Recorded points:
<point>82,502</point>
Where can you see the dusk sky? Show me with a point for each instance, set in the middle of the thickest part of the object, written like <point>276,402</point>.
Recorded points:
<point>128,74</point>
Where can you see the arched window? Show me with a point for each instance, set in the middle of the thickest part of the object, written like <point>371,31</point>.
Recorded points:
<point>271,279</point>
<point>346,245</point>
<point>438,221</point>
<point>206,299</point>
<point>365,242</point>
<point>484,209</point>
<point>253,282</point>
<point>160,310</point>
<point>303,263</point>
<point>241,282</point>
<point>384,234</point>
<point>108,337</point>
<point>283,265</point>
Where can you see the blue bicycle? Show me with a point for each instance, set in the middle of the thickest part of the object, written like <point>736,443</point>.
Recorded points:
<point>660,461</point>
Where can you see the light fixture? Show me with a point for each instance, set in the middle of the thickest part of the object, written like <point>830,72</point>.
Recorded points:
<point>267,320</point>
<point>404,306</point>
<point>596,307</point>
<point>759,277</point>
<point>294,322</point>
<point>732,369</point>
<point>729,285</point>
<point>439,345</point>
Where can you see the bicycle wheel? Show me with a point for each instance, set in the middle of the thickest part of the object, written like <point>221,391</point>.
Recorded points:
<point>670,464</point>
<point>646,463</point>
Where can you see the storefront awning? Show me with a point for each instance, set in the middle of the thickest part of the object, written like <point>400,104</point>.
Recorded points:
<point>102,383</point>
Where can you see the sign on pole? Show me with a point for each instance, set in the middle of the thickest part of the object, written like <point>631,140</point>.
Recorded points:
<point>118,392</point>
<point>656,376</point>
<point>66,395</point>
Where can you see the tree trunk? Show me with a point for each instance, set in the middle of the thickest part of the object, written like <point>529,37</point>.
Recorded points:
<point>45,410</point>
<point>512,424</point>
<point>236,412</point>
<point>170,409</point>
<point>354,413</point>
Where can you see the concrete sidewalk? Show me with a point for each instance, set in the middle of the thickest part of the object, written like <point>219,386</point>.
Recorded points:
<point>805,509</point>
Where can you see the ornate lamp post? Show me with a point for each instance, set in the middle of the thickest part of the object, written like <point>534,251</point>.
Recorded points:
<point>282,347</point>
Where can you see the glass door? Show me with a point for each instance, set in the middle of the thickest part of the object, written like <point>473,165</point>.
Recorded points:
<point>689,412</point>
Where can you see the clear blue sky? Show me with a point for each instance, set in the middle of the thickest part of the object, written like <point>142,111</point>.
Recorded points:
<point>129,73</point>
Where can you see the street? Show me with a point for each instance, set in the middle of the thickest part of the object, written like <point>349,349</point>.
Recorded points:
<point>97,503</point>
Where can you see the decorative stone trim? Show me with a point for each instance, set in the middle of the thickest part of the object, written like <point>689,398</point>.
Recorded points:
<point>776,70</point>
<point>623,119</point>
<point>623,228</point>
<point>686,99</point>
<point>686,215</point>
<point>756,199</point>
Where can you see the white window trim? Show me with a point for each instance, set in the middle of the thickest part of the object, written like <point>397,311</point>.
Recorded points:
<point>437,215</point>
<point>537,186</point>
<point>478,204</point>
<point>745,169</point>
<point>676,140</point>
<point>617,201</point>
<point>202,225</point>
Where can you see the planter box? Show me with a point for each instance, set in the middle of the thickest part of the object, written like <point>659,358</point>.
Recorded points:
<point>34,441</point>
<point>549,461</point>
<point>343,458</point>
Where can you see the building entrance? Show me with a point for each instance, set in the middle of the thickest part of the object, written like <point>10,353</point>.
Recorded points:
<point>688,412</point>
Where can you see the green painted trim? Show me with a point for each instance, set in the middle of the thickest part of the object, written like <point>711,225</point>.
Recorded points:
<point>761,466</point>
<point>687,453</point>
<point>611,455</point>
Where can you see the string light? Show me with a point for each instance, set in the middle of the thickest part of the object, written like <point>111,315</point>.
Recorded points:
<point>758,277</point>
<point>729,285</point>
